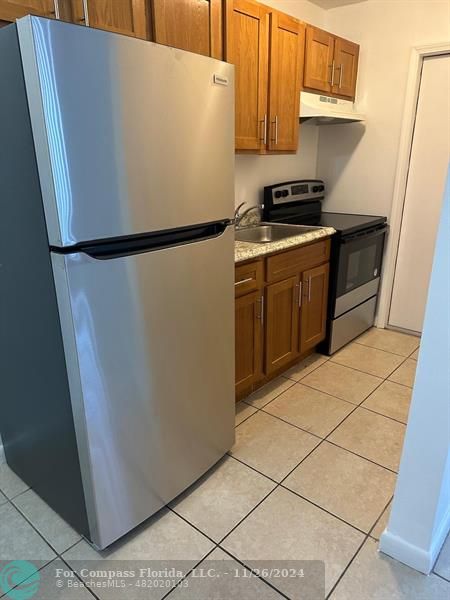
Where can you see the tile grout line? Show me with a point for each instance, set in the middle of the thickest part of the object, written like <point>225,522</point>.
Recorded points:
<point>335,362</point>
<point>326,510</point>
<point>327,359</point>
<point>347,567</point>
<point>277,484</point>
<point>35,528</point>
<point>440,576</point>
<point>79,577</point>
<point>189,572</point>
<point>281,484</point>
<point>59,555</point>
<point>261,388</point>
<point>355,555</point>
<point>382,349</point>
<point>360,405</point>
<point>318,437</point>
<point>240,561</point>
<point>379,518</point>
<point>8,593</point>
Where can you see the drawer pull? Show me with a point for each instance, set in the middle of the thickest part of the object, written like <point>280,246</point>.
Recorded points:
<point>243,281</point>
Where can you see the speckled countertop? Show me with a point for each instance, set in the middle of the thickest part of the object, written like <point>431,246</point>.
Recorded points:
<point>247,250</point>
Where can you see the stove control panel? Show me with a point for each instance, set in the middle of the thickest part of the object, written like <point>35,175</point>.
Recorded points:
<point>294,191</point>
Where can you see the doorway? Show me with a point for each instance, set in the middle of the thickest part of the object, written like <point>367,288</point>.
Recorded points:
<point>428,163</point>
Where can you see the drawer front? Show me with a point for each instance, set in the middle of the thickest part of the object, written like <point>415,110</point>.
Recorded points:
<point>248,278</point>
<point>289,263</point>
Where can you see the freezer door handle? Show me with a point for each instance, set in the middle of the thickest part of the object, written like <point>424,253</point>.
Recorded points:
<point>137,244</point>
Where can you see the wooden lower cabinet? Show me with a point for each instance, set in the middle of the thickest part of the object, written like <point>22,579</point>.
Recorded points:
<point>282,315</point>
<point>248,331</point>
<point>314,307</point>
<point>281,312</point>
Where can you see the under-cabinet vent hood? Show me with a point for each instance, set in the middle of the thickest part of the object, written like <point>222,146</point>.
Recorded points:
<point>327,111</point>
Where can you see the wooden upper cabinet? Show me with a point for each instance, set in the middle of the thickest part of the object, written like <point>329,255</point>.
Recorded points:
<point>282,324</point>
<point>287,42</point>
<point>10,10</point>
<point>346,56</point>
<point>319,51</point>
<point>194,25</point>
<point>247,30</point>
<point>331,63</point>
<point>267,49</point>
<point>120,16</point>
<point>313,307</point>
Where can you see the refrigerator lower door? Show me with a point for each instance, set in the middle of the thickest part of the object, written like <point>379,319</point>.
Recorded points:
<point>149,344</point>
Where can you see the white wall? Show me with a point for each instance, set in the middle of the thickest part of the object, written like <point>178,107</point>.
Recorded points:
<point>253,172</point>
<point>420,514</point>
<point>358,161</point>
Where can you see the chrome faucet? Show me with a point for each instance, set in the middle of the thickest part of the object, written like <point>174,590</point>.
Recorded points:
<point>236,211</point>
<point>238,216</point>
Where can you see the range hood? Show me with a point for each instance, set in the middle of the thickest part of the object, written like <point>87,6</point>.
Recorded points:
<point>327,111</point>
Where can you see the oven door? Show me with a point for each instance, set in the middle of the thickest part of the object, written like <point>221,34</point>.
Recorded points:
<point>359,267</point>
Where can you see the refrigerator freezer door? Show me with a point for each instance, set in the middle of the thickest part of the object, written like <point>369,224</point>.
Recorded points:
<point>149,344</point>
<point>130,136</point>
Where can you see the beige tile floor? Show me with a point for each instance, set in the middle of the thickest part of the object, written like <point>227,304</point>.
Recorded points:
<point>310,477</point>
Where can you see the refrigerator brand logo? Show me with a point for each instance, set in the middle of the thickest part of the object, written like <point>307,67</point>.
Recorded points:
<point>20,580</point>
<point>220,80</point>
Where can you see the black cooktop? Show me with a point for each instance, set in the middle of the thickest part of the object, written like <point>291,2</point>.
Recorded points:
<point>349,223</point>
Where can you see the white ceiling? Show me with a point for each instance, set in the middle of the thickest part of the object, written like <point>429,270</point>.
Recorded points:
<point>327,4</point>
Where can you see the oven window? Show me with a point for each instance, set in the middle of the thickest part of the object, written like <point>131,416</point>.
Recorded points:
<point>359,262</point>
<point>360,267</point>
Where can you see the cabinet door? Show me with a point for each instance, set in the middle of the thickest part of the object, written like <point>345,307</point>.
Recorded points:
<point>194,25</point>
<point>121,16</point>
<point>319,50</point>
<point>287,42</point>
<point>10,10</point>
<point>314,307</point>
<point>248,329</point>
<point>282,312</point>
<point>346,67</point>
<point>247,48</point>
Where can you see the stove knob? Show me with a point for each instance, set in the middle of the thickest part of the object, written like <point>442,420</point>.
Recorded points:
<point>278,194</point>
<point>285,193</point>
<point>321,188</point>
<point>315,189</point>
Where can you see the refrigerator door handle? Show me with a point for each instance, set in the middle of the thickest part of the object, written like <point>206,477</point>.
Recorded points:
<point>129,245</point>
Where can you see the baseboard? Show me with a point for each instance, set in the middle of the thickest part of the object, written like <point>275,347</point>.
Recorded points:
<point>410,555</point>
<point>413,556</point>
<point>442,530</point>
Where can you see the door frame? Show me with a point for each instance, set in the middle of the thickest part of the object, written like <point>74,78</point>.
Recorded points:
<point>418,54</point>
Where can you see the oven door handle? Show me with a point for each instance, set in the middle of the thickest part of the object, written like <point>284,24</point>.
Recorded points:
<point>365,235</point>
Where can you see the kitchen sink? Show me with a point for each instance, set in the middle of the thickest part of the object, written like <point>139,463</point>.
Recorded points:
<point>270,232</point>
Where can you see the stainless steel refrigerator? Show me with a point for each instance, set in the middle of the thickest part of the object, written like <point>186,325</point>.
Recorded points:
<point>117,270</point>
